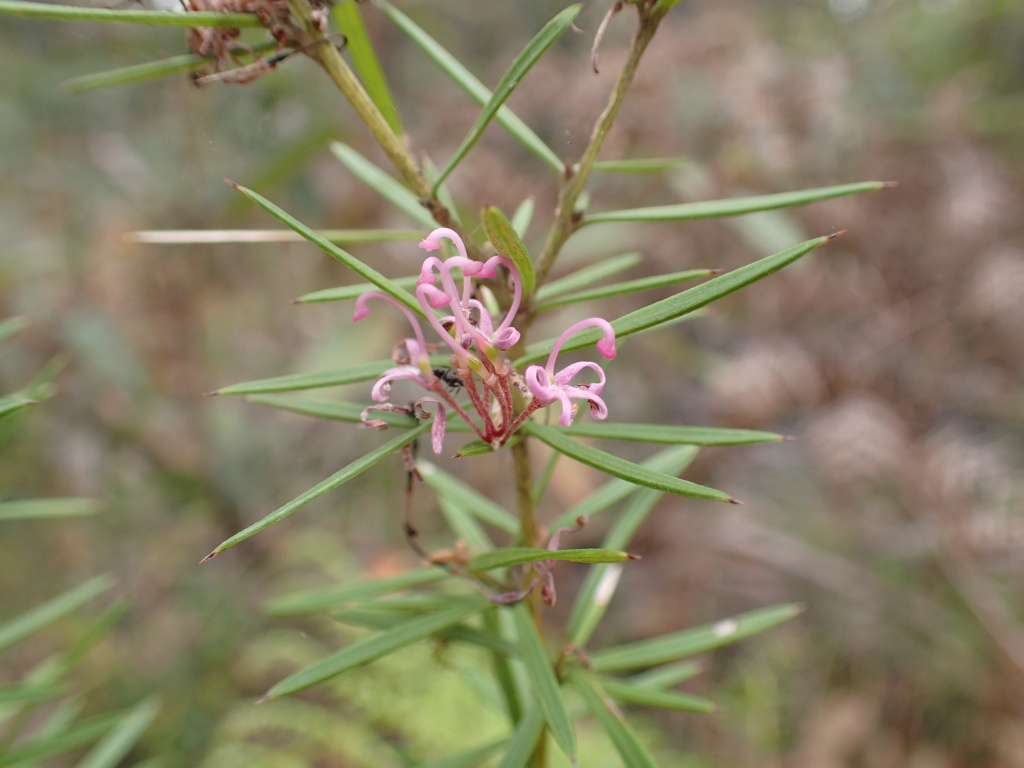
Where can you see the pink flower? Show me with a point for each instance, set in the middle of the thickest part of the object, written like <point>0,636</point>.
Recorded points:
<point>548,386</point>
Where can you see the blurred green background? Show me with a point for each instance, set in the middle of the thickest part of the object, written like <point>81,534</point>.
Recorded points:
<point>895,357</point>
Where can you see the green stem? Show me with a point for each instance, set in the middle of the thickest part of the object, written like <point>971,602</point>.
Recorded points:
<point>566,220</point>
<point>171,18</point>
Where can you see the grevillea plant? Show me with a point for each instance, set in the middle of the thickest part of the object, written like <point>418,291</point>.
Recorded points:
<point>472,311</point>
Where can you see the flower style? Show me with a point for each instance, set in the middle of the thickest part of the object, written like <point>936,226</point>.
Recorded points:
<point>477,345</point>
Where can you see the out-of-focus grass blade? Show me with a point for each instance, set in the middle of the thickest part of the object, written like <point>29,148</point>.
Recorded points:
<point>219,236</point>
<point>294,382</point>
<point>9,405</point>
<point>20,694</point>
<point>348,292</point>
<point>590,274</point>
<point>372,648</point>
<point>641,165</point>
<point>336,480</point>
<point>627,744</point>
<point>599,586</point>
<point>34,620</point>
<point>659,650</point>
<point>169,18</point>
<point>322,408</point>
<point>61,741</point>
<point>667,433</point>
<point>37,509</point>
<point>469,83</point>
<point>471,759</point>
<point>361,268</point>
<point>349,19</point>
<point>109,752</point>
<point>504,675</point>
<point>471,500</point>
<point>674,307</point>
<point>615,490</point>
<point>505,239</point>
<point>464,525</point>
<point>523,216</point>
<point>667,675</point>
<point>384,621</point>
<point>12,326</point>
<point>731,207</point>
<point>383,184</point>
<point>314,600</point>
<point>543,681</point>
<point>502,558</point>
<point>524,739</point>
<point>628,286</point>
<point>522,64</point>
<point>652,697</point>
<point>618,467</point>
<point>661,7</point>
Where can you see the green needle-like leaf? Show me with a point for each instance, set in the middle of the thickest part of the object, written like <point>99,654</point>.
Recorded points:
<point>674,307</point>
<point>468,498</point>
<point>506,241</point>
<point>12,326</point>
<point>361,268</point>
<point>62,740</point>
<point>336,480</point>
<point>348,292</point>
<point>524,740</point>
<point>349,19</point>
<point>38,509</point>
<point>322,408</point>
<point>464,525</point>
<point>43,615</point>
<point>109,752</point>
<point>652,697</point>
<point>543,680</point>
<point>299,381</point>
<point>383,184</point>
<point>171,18</point>
<point>667,675</point>
<point>373,648</point>
<point>618,467</point>
<point>9,405</point>
<point>627,744</point>
<point>502,558</point>
<point>524,61</point>
<point>628,286</point>
<point>670,434</point>
<point>732,207</point>
<point>315,600</point>
<point>590,274</point>
<point>21,694</point>
<point>523,216</point>
<point>471,759</point>
<point>471,85</point>
<point>689,642</point>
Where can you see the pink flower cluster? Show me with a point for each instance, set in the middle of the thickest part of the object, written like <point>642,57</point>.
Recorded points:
<point>477,364</point>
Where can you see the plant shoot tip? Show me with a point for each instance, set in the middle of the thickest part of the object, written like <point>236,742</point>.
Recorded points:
<point>633,557</point>
<point>209,557</point>
<point>230,183</point>
<point>834,235</point>
<point>263,698</point>
<point>890,184</point>
<point>737,502</point>
<point>211,394</point>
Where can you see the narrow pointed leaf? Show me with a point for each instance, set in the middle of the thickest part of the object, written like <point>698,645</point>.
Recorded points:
<point>20,694</point>
<point>470,499</point>
<point>528,732</point>
<point>659,650</point>
<point>349,292</point>
<point>471,759</point>
<point>349,19</point>
<point>615,490</point>
<point>523,216</point>
<point>361,268</point>
<point>590,274</point>
<point>618,467</point>
<point>543,681</point>
<point>628,286</point>
<point>222,236</point>
<point>111,750</point>
<point>652,697</point>
<point>502,558</point>
<point>627,744</point>
<point>731,207</point>
<point>674,307</point>
<point>522,64</point>
<point>34,620</point>
<point>641,165</point>
<point>336,480</point>
<point>383,184</point>
<point>506,242</point>
<point>9,405</point>
<point>667,675</point>
<point>322,408</point>
<point>63,740</point>
<point>471,85</point>
<point>466,527</point>
<point>12,326</point>
<point>504,675</point>
<point>38,509</point>
<point>364,651</point>
<point>299,381</point>
<point>170,18</point>
<point>598,587</point>
<point>670,434</point>
<point>315,600</point>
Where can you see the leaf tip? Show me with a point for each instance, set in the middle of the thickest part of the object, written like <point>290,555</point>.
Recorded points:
<point>834,235</point>
<point>737,502</point>
<point>214,393</point>
<point>633,557</point>
<point>232,184</point>
<point>209,556</point>
<point>889,184</point>
<point>263,698</point>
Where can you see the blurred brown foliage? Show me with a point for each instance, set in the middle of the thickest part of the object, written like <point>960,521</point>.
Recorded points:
<point>894,356</point>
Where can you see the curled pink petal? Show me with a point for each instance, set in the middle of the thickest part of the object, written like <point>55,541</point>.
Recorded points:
<point>605,346</point>
<point>437,429</point>
<point>382,387</point>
